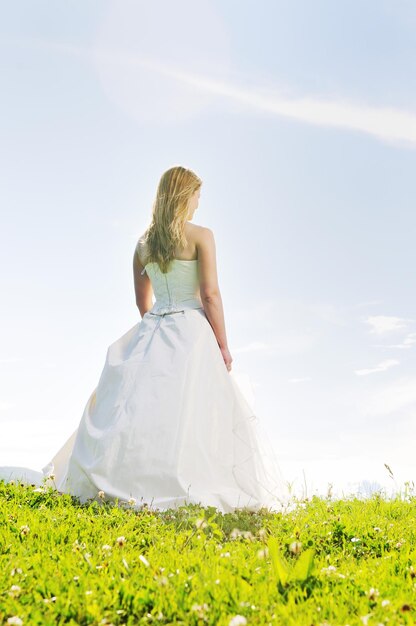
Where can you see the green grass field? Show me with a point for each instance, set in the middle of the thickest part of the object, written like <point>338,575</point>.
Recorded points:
<point>327,562</point>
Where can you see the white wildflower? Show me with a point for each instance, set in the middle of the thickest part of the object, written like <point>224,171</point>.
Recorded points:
<point>262,554</point>
<point>247,534</point>
<point>200,609</point>
<point>121,541</point>
<point>295,547</point>
<point>235,533</point>
<point>76,546</point>
<point>14,591</point>
<point>201,523</point>
<point>132,501</point>
<point>15,620</point>
<point>24,530</point>
<point>101,494</point>
<point>373,593</point>
<point>238,620</point>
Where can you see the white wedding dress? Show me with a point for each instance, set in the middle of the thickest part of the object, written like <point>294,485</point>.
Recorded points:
<point>167,423</point>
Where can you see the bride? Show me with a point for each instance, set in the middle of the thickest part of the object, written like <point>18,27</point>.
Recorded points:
<point>167,423</point>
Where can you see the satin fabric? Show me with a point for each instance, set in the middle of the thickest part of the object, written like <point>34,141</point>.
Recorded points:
<point>167,423</point>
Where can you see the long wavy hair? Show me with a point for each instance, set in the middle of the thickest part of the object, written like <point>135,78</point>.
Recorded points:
<point>166,231</point>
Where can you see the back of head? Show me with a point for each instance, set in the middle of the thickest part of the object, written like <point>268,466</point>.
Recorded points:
<point>169,214</point>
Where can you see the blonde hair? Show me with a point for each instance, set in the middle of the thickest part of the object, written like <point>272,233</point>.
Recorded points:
<point>166,231</point>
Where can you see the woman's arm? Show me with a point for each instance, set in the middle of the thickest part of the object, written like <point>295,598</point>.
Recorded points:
<point>209,290</point>
<point>142,286</point>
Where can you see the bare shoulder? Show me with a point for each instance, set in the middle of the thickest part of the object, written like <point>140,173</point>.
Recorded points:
<point>141,249</point>
<point>193,229</point>
<point>207,267</point>
<point>198,234</point>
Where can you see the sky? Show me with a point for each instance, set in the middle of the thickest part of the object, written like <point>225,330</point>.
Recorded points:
<point>300,118</point>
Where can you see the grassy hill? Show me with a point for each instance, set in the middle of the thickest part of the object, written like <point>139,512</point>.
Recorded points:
<point>325,563</point>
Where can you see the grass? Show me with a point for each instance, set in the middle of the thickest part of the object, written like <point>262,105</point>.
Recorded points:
<point>325,563</point>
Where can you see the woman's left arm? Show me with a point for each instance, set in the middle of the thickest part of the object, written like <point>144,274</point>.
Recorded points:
<point>142,286</point>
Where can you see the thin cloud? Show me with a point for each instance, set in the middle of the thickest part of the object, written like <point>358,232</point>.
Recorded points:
<point>299,380</point>
<point>408,342</point>
<point>381,367</point>
<point>385,123</point>
<point>384,324</point>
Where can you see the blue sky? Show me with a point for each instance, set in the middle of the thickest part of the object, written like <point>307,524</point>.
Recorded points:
<point>300,118</point>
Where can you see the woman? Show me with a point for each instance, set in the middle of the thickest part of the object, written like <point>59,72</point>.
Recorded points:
<point>171,236</point>
<point>167,424</point>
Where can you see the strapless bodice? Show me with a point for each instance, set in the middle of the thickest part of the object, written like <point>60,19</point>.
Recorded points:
<point>176,290</point>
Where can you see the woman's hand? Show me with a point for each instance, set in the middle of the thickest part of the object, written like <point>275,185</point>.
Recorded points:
<point>227,357</point>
